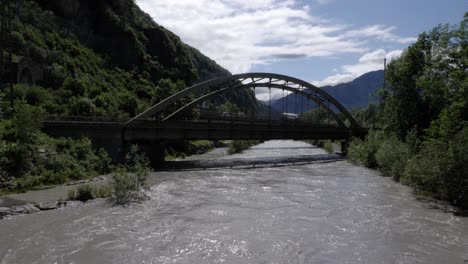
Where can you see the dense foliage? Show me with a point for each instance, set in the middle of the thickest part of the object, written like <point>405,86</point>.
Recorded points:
<point>424,116</point>
<point>34,160</point>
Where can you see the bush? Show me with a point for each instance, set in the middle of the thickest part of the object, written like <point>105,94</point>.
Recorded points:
<point>75,86</point>
<point>88,192</point>
<point>458,174</point>
<point>439,170</point>
<point>27,122</point>
<point>129,181</point>
<point>328,146</point>
<point>363,151</point>
<point>425,171</point>
<point>84,193</point>
<point>392,157</point>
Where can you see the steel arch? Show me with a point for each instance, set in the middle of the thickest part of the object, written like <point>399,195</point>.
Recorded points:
<point>216,86</point>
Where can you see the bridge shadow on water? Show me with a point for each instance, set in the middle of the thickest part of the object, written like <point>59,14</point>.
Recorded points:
<point>249,163</point>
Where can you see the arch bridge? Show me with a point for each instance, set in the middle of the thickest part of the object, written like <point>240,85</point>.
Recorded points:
<point>167,120</point>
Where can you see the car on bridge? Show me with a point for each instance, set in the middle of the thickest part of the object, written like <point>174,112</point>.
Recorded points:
<point>289,116</point>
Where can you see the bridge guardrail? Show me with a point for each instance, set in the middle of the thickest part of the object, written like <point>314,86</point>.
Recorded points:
<point>86,119</point>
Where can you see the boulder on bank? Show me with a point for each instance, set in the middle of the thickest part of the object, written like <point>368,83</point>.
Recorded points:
<point>48,206</point>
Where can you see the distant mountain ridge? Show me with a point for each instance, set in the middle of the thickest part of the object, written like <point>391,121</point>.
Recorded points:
<point>355,94</point>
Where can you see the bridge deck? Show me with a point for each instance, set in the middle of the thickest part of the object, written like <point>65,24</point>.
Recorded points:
<point>151,130</point>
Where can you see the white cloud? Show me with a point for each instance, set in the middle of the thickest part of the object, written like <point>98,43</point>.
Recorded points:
<point>324,2</point>
<point>380,32</point>
<point>335,79</point>
<point>263,94</point>
<point>241,33</point>
<point>371,61</point>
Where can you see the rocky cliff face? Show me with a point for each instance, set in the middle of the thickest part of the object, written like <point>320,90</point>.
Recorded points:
<point>129,37</point>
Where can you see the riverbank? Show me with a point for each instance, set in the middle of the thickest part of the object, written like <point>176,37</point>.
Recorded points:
<point>55,197</point>
<point>45,199</point>
<point>432,168</point>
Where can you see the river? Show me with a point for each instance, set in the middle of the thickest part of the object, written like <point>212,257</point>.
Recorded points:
<point>320,211</point>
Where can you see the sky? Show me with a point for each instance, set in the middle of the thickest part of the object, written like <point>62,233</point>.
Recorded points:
<point>324,42</point>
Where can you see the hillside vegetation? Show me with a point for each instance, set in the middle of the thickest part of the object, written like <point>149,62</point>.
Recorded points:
<point>104,58</point>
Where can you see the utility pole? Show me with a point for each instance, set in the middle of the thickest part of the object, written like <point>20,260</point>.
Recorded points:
<point>385,88</point>
<point>384,73</point>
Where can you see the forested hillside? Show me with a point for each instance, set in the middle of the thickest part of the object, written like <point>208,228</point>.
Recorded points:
<point>104,58</point>
<point>98,58</point>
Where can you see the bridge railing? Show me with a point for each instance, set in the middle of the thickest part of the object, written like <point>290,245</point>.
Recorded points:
<point>205,118</point>
<point>94,119</point>
<point>259,118</point>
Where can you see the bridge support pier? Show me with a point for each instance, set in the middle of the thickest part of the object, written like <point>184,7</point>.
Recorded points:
<point>155,151</point>
<point>344,147</point>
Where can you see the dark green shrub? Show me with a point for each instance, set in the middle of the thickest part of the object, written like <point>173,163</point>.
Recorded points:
<point>33,95</point>
<point>27,122</point>
<point>457,181</point>
<point>392,157</point>
<point>102,162</point>
<point>28,182</point>
<point>128,103</point>
<point>75,86</point>
<point>84,193</point>
<point>129,181</point>
<point>363,151</point>
<point>81,107</point>
<point>52,177</point>
<point>439,170</point>
<point>328,146</point>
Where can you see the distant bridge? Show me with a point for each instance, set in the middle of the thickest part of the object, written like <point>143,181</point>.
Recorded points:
<point>165,120</point>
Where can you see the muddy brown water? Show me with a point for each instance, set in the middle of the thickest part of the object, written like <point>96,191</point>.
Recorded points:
<point>321,211</point>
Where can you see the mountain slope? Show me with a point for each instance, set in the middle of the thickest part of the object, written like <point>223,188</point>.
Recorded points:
<point>355,94</point>
<point>105,58</point>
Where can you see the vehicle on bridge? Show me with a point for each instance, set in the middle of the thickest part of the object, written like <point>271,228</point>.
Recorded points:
<point>289,116</point>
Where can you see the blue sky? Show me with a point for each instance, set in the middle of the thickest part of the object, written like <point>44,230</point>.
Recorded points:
<point>324,42</point>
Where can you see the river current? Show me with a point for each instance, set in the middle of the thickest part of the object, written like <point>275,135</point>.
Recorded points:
<point>318,211</point>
